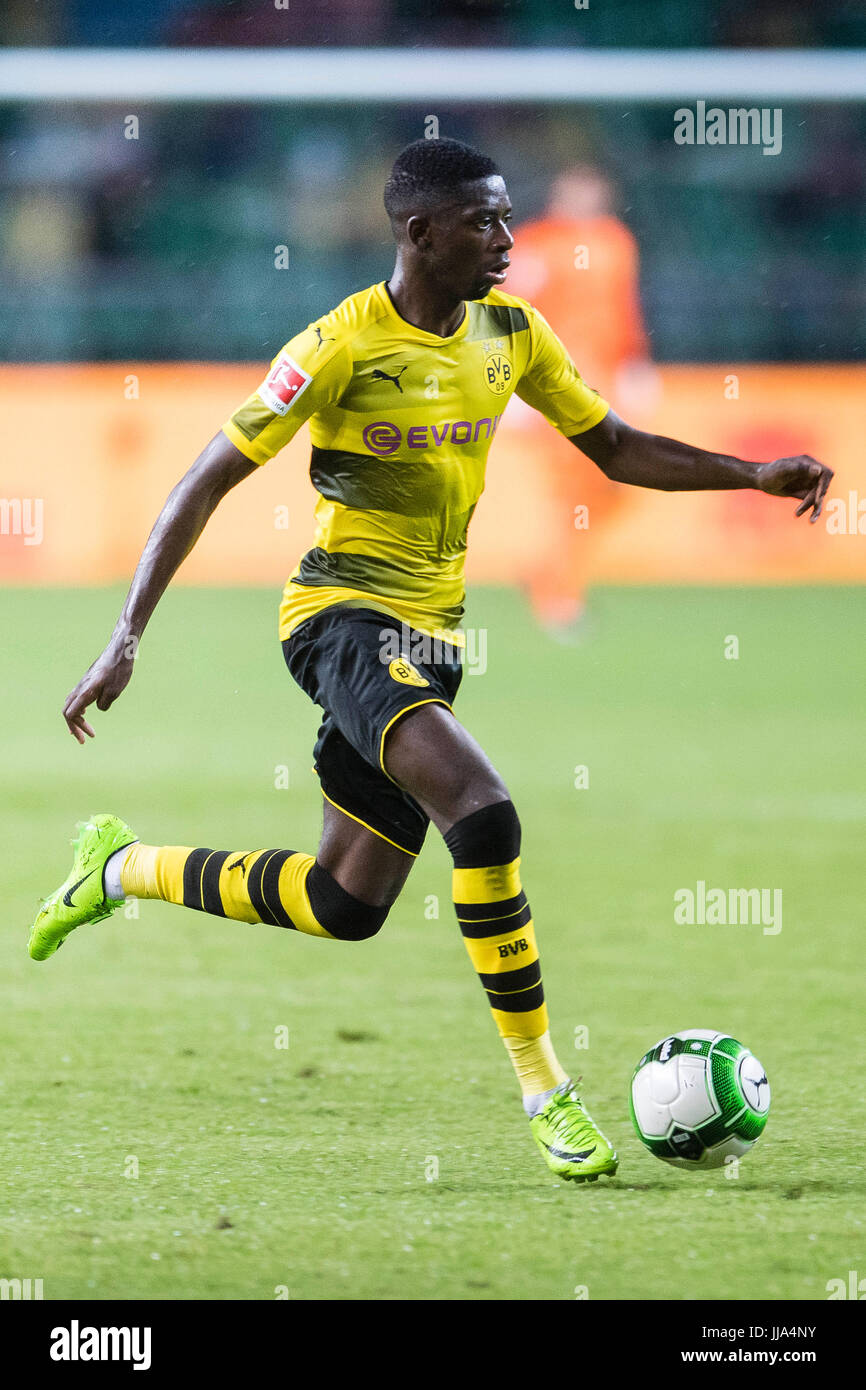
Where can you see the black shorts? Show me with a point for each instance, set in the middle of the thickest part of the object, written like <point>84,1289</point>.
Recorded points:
<point>366,670</point>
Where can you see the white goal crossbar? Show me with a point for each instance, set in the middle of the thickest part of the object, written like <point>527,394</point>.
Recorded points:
<point>412,75</point>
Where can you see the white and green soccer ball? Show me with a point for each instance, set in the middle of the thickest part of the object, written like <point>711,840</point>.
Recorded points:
<point>699,1099</point>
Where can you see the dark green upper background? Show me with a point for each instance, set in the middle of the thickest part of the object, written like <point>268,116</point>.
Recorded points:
<point>604,23</point>
<point>164,247</point>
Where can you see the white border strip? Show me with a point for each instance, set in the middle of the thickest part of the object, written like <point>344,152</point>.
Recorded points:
<point>343,75</point>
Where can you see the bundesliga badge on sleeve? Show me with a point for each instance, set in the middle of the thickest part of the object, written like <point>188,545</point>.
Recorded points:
<point>284,383</point>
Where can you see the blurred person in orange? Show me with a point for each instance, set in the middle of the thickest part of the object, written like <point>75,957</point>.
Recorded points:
<point>579,264</point>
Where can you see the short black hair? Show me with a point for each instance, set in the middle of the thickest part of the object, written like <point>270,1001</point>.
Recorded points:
<point>427,171</point>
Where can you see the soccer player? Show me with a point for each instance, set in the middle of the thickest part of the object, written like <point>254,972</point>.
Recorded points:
<point>403,384</point>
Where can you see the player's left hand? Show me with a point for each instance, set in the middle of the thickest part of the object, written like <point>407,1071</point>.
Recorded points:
<point>802,476</point>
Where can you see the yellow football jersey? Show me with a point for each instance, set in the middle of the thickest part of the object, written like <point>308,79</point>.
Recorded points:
<point>401,423</point>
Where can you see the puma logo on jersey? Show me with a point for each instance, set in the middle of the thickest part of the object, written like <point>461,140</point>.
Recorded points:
<point>379,375</point>
<point>403,671</point>
<point>321,343</point>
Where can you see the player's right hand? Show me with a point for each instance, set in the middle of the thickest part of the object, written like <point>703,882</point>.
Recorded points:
<point>106,679</point>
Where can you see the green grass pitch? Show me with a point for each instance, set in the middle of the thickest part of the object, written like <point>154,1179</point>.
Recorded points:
<point>158,1143</point>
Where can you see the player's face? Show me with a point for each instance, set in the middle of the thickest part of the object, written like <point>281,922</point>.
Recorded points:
<point>471,240</point>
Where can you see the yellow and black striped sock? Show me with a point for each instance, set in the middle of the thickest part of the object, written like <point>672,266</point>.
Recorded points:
<point>497,928</point>
<point>279,887</point>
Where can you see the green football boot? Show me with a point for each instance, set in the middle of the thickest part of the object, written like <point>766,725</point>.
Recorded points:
<point>82,897</point>
<point>572,1145</point>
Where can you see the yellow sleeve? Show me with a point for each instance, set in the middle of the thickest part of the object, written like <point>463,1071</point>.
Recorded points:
<point>309,372</point>
<point>552,384</point>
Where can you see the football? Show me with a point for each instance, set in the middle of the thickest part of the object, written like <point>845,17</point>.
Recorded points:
<point>699,1099</point>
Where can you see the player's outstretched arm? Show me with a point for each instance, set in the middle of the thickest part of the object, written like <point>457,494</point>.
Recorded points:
<point>180,523</point>
<point>628,455</point>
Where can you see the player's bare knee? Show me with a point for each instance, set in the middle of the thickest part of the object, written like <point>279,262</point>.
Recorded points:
<point>466,783</point>
<point>430,755</point>
<point>340,913</point>
<point>471,790</point>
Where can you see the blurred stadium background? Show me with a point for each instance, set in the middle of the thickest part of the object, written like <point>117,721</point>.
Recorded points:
<point>161,249</point>
<point>139,299</point>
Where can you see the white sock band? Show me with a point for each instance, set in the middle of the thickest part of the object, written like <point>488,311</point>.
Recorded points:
<point>533,1104</point>
<point>111,874</point>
